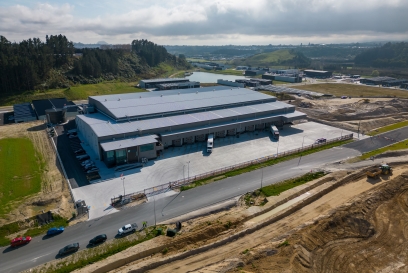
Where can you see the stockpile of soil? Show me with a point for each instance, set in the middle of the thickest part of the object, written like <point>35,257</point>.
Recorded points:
<point>369,234</point>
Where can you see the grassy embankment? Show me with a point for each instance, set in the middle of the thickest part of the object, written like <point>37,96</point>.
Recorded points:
<point>276,189</point>
<point>388,128</point>
<point>261,165</point>
<point>394,147</point>
<point>352,90</point>
<point>78,92</point>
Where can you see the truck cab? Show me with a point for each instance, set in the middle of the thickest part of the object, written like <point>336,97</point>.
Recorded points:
<point>275,132</point>
<point>210,143</point>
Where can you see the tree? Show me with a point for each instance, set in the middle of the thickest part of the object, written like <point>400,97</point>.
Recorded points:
<point>375,73</point>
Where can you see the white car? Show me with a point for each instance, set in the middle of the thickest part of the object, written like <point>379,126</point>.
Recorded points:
<point>126,229</point>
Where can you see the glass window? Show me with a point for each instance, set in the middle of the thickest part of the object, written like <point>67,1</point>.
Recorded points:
<point>121,156</point>
<point>147,147</point>
<point>109,158</point>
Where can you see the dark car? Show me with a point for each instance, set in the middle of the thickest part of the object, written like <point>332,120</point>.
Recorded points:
<point>79,152</point>
<point>320,140</point>
<point>98,239</point>
<point>69,249</point>
<point>54,231</point>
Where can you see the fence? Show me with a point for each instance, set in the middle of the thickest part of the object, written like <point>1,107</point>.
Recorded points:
<point>183,182</point>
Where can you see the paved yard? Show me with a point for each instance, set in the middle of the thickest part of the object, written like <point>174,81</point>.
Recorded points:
<point>173,164</point>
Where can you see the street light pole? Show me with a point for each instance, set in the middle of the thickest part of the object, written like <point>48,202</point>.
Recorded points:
<point>184,176</point>
<point>303,142</point>
<point>188,172</point>
<point>154,208</point>
<point>123,181</point>
<point>261,178</point>
<point>277,148</point>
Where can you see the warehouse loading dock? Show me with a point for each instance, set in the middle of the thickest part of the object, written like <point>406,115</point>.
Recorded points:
<point>130,127</point>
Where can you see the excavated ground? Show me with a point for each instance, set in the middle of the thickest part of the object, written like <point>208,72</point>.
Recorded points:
<point>350,113</point>
<point>368,234</point>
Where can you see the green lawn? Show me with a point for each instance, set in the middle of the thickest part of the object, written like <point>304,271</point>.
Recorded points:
<point>389,128</point>
<point>276,189</point>
<point>20,171</point>
<point>394,147</point>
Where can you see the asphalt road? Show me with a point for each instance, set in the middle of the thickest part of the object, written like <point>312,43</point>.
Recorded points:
<point>379,141</point>
<point>42,250</point>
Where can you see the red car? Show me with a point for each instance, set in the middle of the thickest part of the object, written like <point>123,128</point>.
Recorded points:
<point>20,241</point>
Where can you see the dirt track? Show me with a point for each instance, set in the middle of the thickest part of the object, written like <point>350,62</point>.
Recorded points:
<point>229,256</point>
<point>368,235</point>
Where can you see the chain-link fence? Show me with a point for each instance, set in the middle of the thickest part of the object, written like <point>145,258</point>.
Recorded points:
<point>183,182</point>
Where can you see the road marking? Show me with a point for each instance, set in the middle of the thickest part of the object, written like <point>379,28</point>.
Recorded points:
<point>33,260</point>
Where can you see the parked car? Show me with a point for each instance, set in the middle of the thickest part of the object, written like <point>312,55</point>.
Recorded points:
<point>79,151</point>
<point>83,157</point>
<point>320,140</point>
<point>93,170</point>
<point>86,162</point>
<point>19,241</point>
<point>55,230</point>
<point>126,229</point>
<point>98,239</point>
<point>11,117</point>
<point>69,249</point>
<point>92,167</point>
<point>73,136</point>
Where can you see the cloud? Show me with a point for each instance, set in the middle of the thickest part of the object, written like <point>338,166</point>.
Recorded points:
<point>212,20</point>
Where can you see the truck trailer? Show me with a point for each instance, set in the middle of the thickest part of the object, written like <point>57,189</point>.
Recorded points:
<point>275,132</point>
<point>210,143</point>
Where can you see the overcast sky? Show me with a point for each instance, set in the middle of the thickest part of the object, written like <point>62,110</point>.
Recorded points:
<point>207,22</point>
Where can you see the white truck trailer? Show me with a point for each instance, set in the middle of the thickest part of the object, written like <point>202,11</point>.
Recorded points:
<point>275,132</point>
<point>210,143</point>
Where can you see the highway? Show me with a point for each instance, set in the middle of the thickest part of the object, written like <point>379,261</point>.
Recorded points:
<point>42,250</point>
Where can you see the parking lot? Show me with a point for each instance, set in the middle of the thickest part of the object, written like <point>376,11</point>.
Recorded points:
<point>66,147</point>
<point>173,164</point>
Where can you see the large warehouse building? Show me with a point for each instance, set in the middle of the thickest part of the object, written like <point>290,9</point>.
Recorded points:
<point>129,127</point>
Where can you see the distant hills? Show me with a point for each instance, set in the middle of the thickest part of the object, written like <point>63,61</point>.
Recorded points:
<point>390,55</point>
<point>283,57</point>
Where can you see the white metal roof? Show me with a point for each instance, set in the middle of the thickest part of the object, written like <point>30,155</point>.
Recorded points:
<point>129,142</point>
<point>103,126</point>
<point>140,106</point>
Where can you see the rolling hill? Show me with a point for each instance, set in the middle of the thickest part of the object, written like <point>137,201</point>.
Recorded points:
<point>284,57</point>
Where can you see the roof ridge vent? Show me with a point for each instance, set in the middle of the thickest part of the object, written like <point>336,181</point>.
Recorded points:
<point>106,100</point>
<point>119,98</point>
<point>140,97</point>
<point>161,95</point>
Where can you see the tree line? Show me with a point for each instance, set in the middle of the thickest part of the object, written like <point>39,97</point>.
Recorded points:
<point>390,55</point>
<point>26,64</point>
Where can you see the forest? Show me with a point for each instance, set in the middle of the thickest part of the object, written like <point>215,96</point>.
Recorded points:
<point>390,55</point>
<point>32,64</point>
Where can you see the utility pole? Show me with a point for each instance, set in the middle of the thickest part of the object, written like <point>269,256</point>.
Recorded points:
<point>123,182</point>
<point>277,149</point>
<point>188,172</point>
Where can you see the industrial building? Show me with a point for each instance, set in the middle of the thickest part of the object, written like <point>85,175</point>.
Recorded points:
<point>24,112</point>
<point>147,84</point>
<point>127,128</point>
<point>178,85</point>
<point>293,78</point>
<point>230,83</point>
<point>318,74</point>
<point>376,80</point>
<point>42,107</point>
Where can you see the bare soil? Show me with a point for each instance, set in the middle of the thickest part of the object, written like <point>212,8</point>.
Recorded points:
<point>54,193</point>
<point>351,113</point>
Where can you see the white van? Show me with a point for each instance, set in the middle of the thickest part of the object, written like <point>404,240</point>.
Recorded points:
<point>275,132</point>
<point>210,143</point>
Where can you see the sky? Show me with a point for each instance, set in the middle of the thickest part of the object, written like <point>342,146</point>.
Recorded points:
<point>207,22</point>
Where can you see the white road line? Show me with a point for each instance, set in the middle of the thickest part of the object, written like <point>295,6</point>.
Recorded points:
<point>33,260</point>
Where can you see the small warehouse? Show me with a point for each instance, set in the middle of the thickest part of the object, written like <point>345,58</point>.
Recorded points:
<point>24,112</point>
<point>319,74</point>
<point>178,85</point>
<point>40,107</point>
<point>147,84</point>
<point>376,80</point>
<point>396,82</point>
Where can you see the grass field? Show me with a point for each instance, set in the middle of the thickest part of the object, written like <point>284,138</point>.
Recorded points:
<point>276,189</point>
<point>353,90</point>
<point>80,92</point>
<point>395,147</point>
<point>20,171</point>
<point>267,59</point>
<point>389,128</point>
